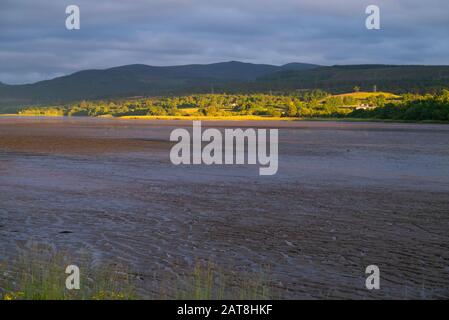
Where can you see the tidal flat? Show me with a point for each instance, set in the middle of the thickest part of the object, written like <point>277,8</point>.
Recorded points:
<point>346,195</point>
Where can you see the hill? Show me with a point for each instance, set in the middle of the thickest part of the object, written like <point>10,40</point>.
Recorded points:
<point>138,80</point>
<point>398,79</point>
<point>230,77</point>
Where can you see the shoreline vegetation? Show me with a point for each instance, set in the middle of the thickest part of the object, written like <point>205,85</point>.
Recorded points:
<point>234,118</point>
<point>309,105</point>
<point>38,273</point>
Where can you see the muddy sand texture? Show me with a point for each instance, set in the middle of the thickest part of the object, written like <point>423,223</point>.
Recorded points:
<point>347,195</point>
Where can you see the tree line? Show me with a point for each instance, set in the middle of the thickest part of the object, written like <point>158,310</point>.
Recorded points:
<point>411,107</point>
<point>306,104</point>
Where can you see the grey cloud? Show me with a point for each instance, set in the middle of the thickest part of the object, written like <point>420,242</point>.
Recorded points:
<point>35,44</point>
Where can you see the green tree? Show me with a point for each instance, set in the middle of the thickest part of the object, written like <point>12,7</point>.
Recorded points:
<point>292,110</point>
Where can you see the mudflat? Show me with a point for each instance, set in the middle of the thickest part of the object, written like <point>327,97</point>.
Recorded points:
<point>346,195</point>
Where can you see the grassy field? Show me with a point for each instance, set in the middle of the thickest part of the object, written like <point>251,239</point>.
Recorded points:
<point>366,95</point>
<point>210,118</point>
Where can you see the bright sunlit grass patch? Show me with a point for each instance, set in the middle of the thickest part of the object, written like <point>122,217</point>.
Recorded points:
<point>365,95</point>
<point>210,118</point>
<point>190,111</point>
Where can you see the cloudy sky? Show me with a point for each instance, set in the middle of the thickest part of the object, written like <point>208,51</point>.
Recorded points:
<point>35,44</point>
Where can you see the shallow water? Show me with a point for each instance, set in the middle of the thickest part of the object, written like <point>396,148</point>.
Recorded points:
<point>347,195</point>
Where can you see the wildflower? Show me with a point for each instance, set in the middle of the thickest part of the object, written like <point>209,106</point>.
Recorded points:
<point>13,295</point>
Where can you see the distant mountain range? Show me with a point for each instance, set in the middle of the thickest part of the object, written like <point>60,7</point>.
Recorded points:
<point>395,78</point>
<point>231,77</point>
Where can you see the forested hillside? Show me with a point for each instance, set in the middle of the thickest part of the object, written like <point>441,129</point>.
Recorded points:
<point>230,77</point>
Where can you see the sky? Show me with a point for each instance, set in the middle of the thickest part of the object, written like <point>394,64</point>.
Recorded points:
<point>35,44</point>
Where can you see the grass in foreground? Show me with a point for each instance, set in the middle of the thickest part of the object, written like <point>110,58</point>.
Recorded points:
<point>39,274</point>
<point>209,282</point>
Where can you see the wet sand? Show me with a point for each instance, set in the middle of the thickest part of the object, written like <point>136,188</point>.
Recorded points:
<point>347,195</point>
